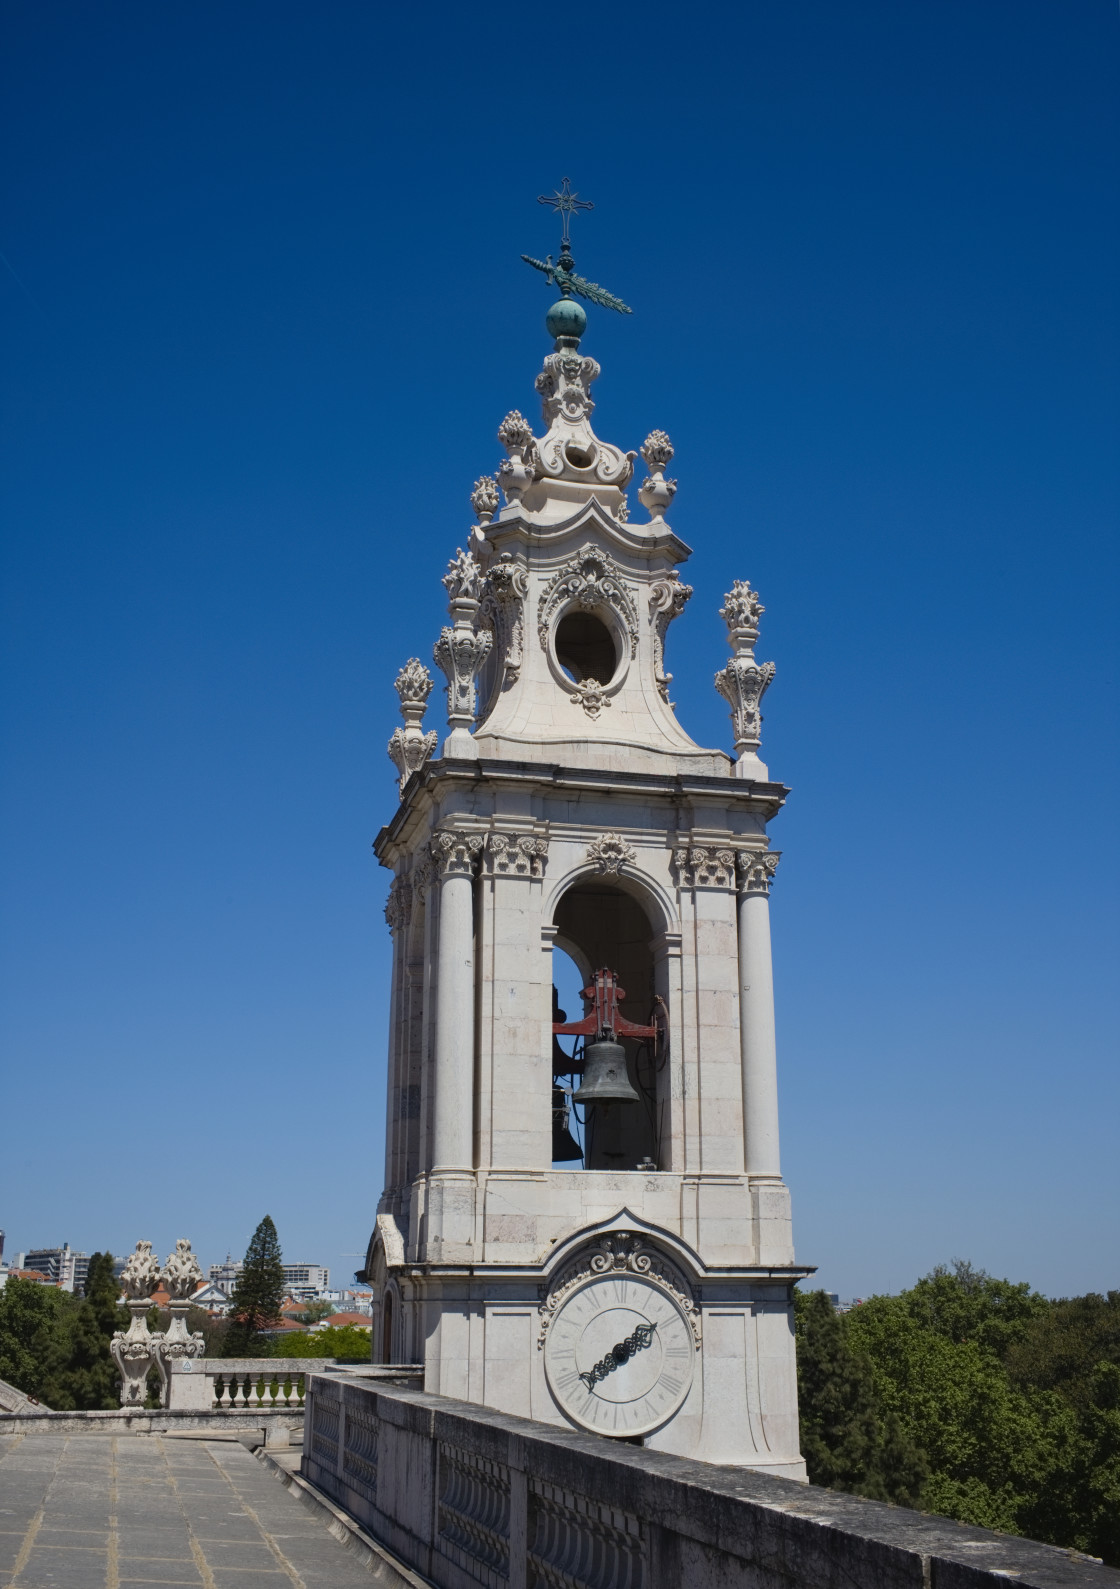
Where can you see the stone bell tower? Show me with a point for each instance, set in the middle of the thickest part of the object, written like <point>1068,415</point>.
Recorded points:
<point>620,1263</point>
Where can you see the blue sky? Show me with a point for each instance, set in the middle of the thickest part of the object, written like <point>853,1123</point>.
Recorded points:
<point>264,310</point>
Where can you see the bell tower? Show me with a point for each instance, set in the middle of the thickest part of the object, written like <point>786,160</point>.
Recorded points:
<point>584,1219</point>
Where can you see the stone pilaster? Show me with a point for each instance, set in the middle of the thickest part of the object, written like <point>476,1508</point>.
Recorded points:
<point>756,870</point>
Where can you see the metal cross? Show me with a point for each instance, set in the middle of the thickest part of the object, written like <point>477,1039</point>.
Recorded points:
<point>567,203</point>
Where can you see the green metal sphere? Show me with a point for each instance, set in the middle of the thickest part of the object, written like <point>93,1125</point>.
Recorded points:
<point>565,319</point>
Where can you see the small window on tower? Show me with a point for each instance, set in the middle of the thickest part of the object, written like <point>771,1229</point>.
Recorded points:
<point>585,648</point>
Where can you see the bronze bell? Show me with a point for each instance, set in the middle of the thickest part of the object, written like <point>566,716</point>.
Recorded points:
<point>564,1145</point>
<point>605,1077</point>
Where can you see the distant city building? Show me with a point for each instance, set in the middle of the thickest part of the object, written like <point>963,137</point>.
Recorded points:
<point>211,1297</point>
<point>61,1266</point>
<point>224,1275</point>
<point>306,1277</point>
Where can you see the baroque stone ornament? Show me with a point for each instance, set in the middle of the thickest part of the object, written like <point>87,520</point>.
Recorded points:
<point>398,906</point>
<point>454,852</point>
<point>136,1349</point>
<point>756,870</point>
<point>409,747</point>
<point>667,598</point>
<point>611,853</point>
<point>461,651</point>
<point>182,1277</point>
<point>503,609</point>
<point>517,854</point>
<point>705,866</point>
<point>590,694</point>
<point>618,1252</point>
<point>655,493</point>
<point>518,469</point>
<point>743,682</point>
<point>590,579</point>
<point>485,499</point>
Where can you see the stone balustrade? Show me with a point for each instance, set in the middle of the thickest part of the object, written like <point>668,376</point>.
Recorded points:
<point>461,1495</point>
<point>257,1384</point>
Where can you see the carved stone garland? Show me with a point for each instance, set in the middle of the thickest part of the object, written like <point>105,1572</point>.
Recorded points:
<point>667,598</point>
<point>743,682</point>
<point>409,747</point>
<point>618,1252</point>
<point>591,579</point>
<point>398,907</point>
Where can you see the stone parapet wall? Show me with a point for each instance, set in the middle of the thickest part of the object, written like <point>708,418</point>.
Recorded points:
<point>464,1496</point>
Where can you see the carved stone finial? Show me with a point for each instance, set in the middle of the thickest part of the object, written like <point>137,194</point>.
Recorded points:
<point>409,747</point>
<point>655,492</point>
<point>181,1273</point>
<point>463,578</point>
<point>756,870</point>
<point>611,853</point>
<point>141,1272</point>
<point>743,682</point>
<point>516,472</point>
<point>484,498</point>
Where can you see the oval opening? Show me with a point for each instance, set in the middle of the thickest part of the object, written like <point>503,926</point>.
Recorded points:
<point>577,457</point>
<point>585,648</point>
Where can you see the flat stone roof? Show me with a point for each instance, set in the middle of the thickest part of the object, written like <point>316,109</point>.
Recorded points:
<point>90,1511</point>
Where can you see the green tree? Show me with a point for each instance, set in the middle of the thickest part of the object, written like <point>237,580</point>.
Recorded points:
<point>255,1303</point>
<point>312,1312</point>
<point>35,1340</point>
<point>847,1440</point>
<point>89,1379</point>
<point>347,1342</point>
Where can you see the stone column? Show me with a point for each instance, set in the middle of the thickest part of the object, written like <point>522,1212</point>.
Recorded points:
<point>756,870</point>
<point>456,856</point>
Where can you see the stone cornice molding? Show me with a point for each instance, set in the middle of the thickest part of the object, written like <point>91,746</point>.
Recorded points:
<point>618,1252</point>
<point>611,853</point>
<point>590,579</point>
<point>756,870</point>
<point>456,854</point>
<point>705,866</point>
<point>516,854</point>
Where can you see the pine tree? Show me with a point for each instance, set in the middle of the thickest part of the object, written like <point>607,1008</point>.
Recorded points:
<point>255,1304</point>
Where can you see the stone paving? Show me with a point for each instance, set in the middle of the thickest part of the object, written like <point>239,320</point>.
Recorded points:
<point>109,1511</point>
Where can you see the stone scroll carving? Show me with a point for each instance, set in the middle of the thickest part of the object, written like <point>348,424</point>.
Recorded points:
<point>503,610</point>
<point>461,650</point>
<point>409,747</point>
<point>743,682</point>
<point>756,870</point>
<point>517,854</point>
<point>667,598</point>
<point>619,1251</point>
<point>705,866</point>
<point>611,853</point>
<point>591,579</point>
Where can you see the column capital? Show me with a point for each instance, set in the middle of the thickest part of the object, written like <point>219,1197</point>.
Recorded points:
<point>705,866</point>
<point>398,906</point>
<point>516,854</point>
<point>456,853</point>
<point>756,870</point>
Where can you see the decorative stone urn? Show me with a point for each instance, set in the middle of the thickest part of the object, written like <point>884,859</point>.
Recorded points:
<point>135,1350</point>
<point>182,1277</point>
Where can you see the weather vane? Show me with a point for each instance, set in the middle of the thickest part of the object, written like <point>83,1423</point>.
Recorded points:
<point>563,273</point>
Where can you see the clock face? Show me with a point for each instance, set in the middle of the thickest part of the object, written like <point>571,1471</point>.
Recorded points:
<point>619,1355</point>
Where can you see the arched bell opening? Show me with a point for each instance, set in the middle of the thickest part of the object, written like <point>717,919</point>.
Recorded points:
<point>617,1122</point>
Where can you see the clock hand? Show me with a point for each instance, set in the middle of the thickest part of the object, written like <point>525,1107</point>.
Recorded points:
<point>622,1353</point>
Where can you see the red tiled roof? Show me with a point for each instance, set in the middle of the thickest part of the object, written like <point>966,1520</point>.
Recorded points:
<point>340,1320</point>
